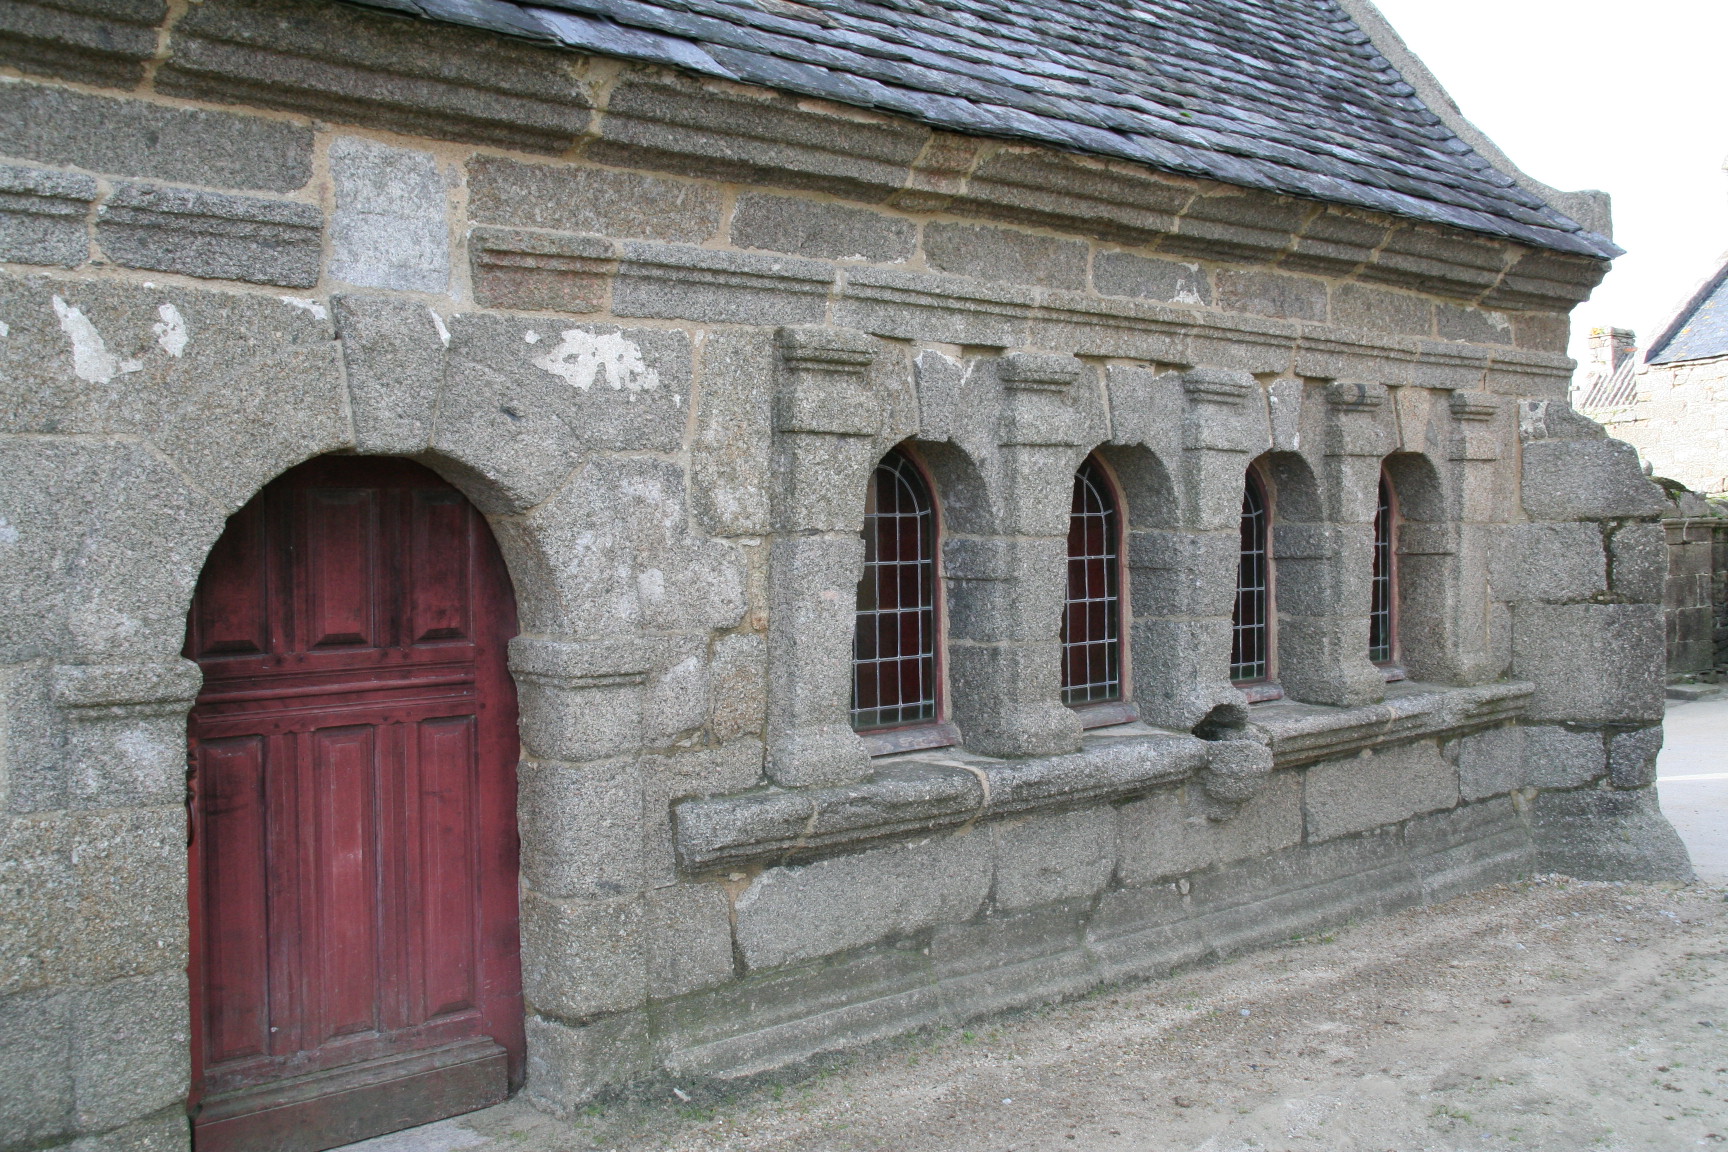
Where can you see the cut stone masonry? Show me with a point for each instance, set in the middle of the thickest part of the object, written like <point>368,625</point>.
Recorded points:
<point>659,326</point>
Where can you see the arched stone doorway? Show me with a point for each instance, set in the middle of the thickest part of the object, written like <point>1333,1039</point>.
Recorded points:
<point>353,857</point>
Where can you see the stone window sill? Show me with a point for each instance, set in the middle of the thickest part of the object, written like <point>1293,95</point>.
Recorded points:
<point>924,791</point>
<point>1303,733</point>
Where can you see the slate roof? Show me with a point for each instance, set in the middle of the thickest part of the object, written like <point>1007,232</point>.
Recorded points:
<point>1700,331</point>
<point>1284,95</point>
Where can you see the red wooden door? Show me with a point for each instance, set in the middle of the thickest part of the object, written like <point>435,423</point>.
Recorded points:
<point>353,858</point>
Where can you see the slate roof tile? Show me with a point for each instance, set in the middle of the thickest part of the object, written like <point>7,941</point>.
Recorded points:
<point>1286,95</point>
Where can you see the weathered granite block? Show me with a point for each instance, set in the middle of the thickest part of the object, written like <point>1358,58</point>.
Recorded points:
<point>153,141</point>
<point>1377,310</point>
<point>1377,788</point>
<point>580,958</point>
<point>678,124</point>
<point>1125,274</point>
<point>1002,254</point>
<point>102,42</point>
<point>569,198</point>
<point>821,229</point>
<point>799,913</point>
<point>1174,830</point>
<point>353,66</point>
<point>569,1062</point>
<point>389,228</point>
<point>1586,480</point>
<point>1272,294</point>
<point>1591,662</point>
<point>44,216</point>
<point>689,938</point>
<point>130,1047</point>
<point>675,281</point>
<point>540,271</point>
<point>212,235</point>
<point>1044,859</point>
<point>38,1105</point>
<point>1492,763</point>
<point>603,799</point>
<point>917,305</point>
<point>1557,757</point>
<point>1608,834</point>
<point>1632,757</point>
<point>393,356</point>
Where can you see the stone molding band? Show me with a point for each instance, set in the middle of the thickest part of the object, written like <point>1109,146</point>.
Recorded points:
<point>925,793</point>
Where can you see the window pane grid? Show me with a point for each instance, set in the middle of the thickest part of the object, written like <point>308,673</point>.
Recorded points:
<point>1380,596</point>
<point>1249,635</point>
<point>1091,620</point>
<point>894,643</point>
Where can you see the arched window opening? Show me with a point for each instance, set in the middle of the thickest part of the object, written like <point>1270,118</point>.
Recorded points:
<point>1250,630</point>
<point>1092,617</point>
<point>894,673</point>
<point>1383,596</point>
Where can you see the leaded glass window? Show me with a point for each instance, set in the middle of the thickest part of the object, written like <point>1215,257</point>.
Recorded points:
<point>1092,617</point>
<point>1381,613</point>
<point>1250,631</point>
<point>894,644</point>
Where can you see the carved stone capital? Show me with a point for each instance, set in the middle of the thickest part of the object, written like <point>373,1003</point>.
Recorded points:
<point>825,382</point>
<point>1355,396</point>
<point>1040,371</point>
<point>1217,385</point>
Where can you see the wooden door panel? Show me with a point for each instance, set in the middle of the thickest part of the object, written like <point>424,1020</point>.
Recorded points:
<point>448,865</point>
<point>341,943</point>
<point>354,755</point>
<point>438,571</point>
<point>339,569</point>
<point>232,837</point>
<point>236,623</point>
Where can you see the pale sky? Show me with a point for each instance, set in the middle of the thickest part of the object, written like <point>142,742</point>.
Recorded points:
<point>1631,98</point>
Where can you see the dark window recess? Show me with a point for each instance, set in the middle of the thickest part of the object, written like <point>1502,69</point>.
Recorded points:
<point>894,646</point>
<point>1092,618</point>
<point>1380,622</point>
<point>1249,633</point>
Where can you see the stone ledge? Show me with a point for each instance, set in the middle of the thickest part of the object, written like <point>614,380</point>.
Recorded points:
<point>923,792</point>
<point>1305,733</point>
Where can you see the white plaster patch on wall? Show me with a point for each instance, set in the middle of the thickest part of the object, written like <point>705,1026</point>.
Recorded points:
<point>318,311</point>
<point>8,532</point>
<point>171,331</point>
<point>438,323</point>
<point>583,358</point>
<point>5,329</point>
<point>91,360</point>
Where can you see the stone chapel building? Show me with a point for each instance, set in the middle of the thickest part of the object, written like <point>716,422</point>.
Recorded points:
<point>552,545</point>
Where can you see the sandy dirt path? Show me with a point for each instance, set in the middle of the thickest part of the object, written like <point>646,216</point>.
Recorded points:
<point>1552,1015</point>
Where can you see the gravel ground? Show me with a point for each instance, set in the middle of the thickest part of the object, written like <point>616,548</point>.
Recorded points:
<point>1555,1015</point>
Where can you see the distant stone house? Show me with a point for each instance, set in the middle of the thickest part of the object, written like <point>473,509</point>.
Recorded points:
<point>1672,403</point>
<point>550,546</point>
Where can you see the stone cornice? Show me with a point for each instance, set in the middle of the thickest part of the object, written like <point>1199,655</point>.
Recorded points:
<point>362,67</point>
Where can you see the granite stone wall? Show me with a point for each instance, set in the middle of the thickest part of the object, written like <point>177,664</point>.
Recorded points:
<point>660,331</point>
<point>1679,422</point>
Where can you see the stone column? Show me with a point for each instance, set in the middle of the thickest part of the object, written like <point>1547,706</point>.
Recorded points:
<point>1183,581</point>
<point>1006,593</point>
<point>825,419</point>
<point>1324,569</point>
